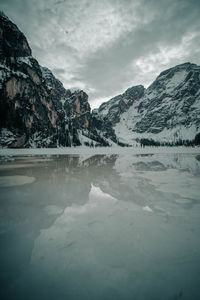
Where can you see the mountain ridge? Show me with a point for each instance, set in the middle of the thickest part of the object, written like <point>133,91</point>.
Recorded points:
<point>35,109</point>
<point>167,112</point>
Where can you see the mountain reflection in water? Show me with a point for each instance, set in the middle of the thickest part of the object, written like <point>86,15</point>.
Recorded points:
<point>100,227</point>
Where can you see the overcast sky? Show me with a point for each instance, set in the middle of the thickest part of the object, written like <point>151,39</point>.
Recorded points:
<point>107,46</point>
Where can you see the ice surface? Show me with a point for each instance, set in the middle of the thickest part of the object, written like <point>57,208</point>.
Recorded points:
<point>6,181</point>
<point>107,226</point>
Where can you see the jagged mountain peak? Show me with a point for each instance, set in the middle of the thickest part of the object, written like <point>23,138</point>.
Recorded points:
<point>35,108</point>
<point>175,78</point>
<point>187,66</point>
<point>3,15</point>
<point>169,109</point>
<point>13,43</point>
<point>172,77</point>
<point>113,108</point>
<point>134,92</point>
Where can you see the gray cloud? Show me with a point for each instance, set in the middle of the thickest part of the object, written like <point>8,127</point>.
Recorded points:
<point>59,71</point>
<point>107,46</point>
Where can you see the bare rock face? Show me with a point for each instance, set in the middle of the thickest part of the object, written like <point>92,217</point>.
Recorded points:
<point>113,108</point>
<point>172,100</point>
<point>12,42</point>
<point>35,109</point>
<point>77,104</point>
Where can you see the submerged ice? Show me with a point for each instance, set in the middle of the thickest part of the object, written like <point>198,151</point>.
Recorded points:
<point>102,227</point>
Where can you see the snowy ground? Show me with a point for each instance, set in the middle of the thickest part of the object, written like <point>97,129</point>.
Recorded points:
<point>115,226</point>
<point>97,150</point>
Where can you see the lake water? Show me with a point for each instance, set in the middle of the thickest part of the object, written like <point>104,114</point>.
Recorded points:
<point>100,227</point>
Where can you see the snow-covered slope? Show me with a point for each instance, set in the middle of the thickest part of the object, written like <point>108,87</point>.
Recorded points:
<point>112,109</point>
<point>169,111</point>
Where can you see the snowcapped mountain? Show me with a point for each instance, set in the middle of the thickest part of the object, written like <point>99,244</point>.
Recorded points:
<point>35,109</point>
<point>167,111</point>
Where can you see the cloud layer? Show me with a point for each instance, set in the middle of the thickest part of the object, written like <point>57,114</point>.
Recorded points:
<point>107,46</point>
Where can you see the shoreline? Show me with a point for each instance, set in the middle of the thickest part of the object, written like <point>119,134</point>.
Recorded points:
<point>81,150</point>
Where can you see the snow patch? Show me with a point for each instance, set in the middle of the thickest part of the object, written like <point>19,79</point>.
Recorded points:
<point>147,208</point>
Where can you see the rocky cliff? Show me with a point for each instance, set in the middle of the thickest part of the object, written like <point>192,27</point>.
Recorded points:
<point>112,109</point>
<point>35,109</point>
<point>168,111</point>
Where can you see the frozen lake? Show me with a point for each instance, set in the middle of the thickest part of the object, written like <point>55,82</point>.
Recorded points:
<point>94,227</point>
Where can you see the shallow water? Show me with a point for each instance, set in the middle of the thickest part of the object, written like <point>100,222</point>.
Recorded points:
<point>100,227</point>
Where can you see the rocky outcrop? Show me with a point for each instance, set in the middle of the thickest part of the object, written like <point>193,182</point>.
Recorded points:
<point>113,108</point>
<point>35,109</point>
<point>12,41</point>
<point>172,100</point>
